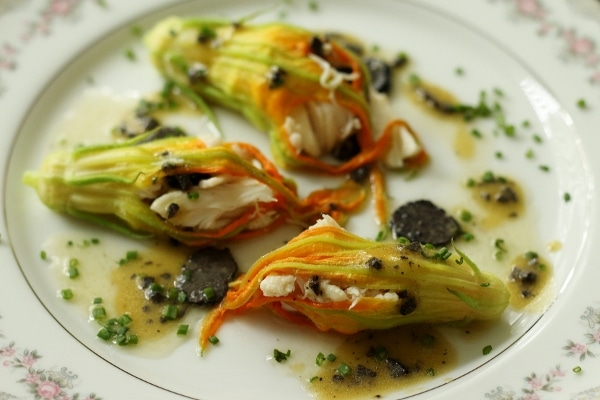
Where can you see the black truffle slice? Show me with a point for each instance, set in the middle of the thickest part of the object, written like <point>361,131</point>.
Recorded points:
<point>424,222</point>
<point>206,274</point>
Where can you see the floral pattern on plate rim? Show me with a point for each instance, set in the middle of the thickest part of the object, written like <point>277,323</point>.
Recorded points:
<point>578,351</point>
<point>47,384</point>
<point>575,46</point>
<point>56,384</point>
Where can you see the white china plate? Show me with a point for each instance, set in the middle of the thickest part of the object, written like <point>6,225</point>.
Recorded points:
<point>51,58</point>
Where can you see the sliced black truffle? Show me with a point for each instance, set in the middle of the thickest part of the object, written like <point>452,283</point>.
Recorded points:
<point>381,74</point>
<point>424,222</point>
<point>206,274</point>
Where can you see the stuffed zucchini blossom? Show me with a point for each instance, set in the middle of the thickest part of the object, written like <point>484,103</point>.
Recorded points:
<point>178,187</point>
<point>331,279</point>
<point>309,92</point>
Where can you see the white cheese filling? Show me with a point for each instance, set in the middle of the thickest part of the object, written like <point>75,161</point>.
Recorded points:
<point>219,201</point>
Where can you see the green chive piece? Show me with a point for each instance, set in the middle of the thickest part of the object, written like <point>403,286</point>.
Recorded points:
<point>466,216</point>
<point>43,255</point>
<point>468,236</point>
<point>66,294</point>
<point>331,357</point>
<point>343,369</point>
<point>98,313</point>
<point>130,54</point>
<point>213,340</point>
<point>124,320</point>
<point>170,312</point>
<point>193,195</point>
<point>476,133</point>
<point>544,168</point>
<point>104,334</point>
<point>72,272</point>
<point>529,154</point>
<point>279,356</point>
<point>567,197</point>
<point>577,369</point>
<point>487,350</point>
<point>182,330</point>
<point>320,360</point>
<point>97,300</point>
<point>209,293</point>
<point>581,103</point>
<point>431,372</point>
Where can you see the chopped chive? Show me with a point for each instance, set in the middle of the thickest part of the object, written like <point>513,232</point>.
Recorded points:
<point>213,340</point>
<point>414,79</point>
<point>136,30</point>
<point>529,154</point>
<point>43,255</point>
<point>182,330</point>
<point>133,339</point>
<point>66,294</point>
<point>320,360</point>
<point>72,272</point>
<point>331,357</point>
<point>314,378</point>
<point>477,133</point>
<point>581,103</point>
<point>567,197</point>
<point>98,313</point>
<point>209,293</point>
<point>130,54</point>
<point>485,284</point>
<point>499,155</point>
<point>343,369</point>
<point>459,71</point>
<point>95,241</point>
<point>487,350</point>
<point>488,176</point>
<point>170,312</point>
<point>577,369</point>
<point>280,356</point>
<point>97,300</point>
<point>466,216</point>
<point>403,241</point>
<point>544,168</point>
<point>537,138</point>
<point>193,195</point>
<point>431,372</point>
<point>104,334</point>
<point>124,320</point>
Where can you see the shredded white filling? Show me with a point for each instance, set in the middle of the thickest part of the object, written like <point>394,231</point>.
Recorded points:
<point>317,127</point>
<point>326,220</point>
<point>283,285</point>
<point>331,78</point>
<point>404,145</point>
<point>278,286</point>
<point>220,201</point>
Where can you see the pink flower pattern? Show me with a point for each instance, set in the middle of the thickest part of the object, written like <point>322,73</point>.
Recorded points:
<point>41,383</point>
<point>575,47</point>
<point>53,11</point>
